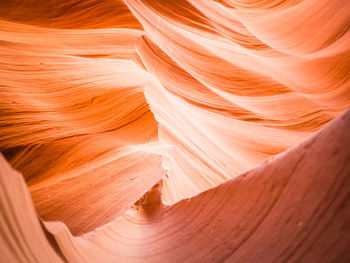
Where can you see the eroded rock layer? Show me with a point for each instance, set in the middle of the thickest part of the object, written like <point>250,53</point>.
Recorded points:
<point>174,131</point>
<point>293,208</point>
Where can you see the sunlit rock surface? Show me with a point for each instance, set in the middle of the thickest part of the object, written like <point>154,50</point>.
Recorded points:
<point>175,131</point>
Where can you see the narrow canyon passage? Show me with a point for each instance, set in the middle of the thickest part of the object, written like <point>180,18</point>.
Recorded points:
<point>174,131</point>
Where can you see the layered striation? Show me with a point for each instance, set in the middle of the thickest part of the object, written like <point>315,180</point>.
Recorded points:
<point>174,131</point>
<point>287,209</point>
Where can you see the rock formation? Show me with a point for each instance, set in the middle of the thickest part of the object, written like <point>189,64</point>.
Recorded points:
<point>175,131</point>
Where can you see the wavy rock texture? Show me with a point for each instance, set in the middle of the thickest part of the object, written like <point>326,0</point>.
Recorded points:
<point>149,129</point>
